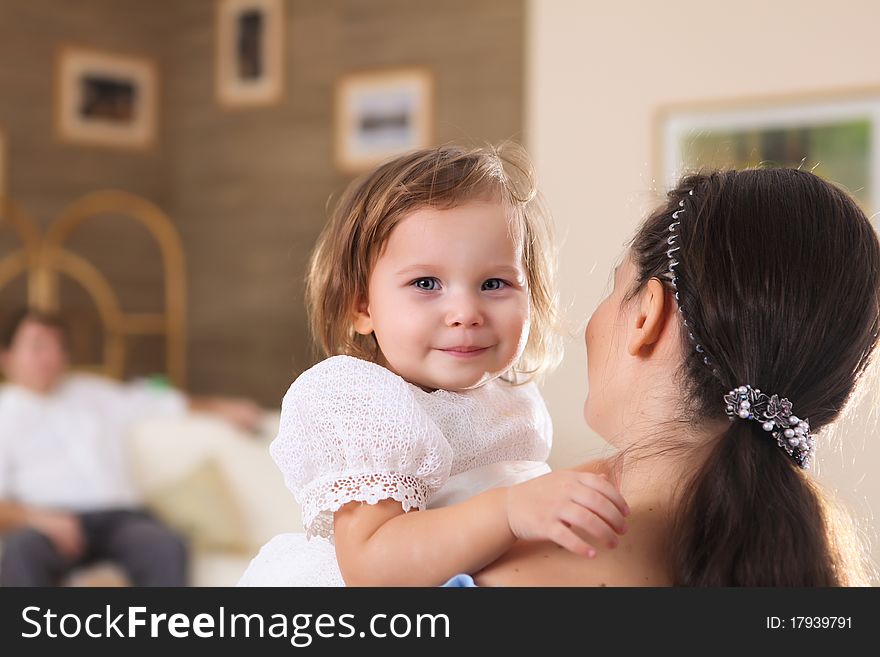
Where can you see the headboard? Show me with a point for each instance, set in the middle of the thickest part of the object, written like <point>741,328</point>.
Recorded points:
<point>43,259</point>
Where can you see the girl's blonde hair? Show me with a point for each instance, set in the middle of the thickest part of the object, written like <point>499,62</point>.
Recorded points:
<point>443,178</point>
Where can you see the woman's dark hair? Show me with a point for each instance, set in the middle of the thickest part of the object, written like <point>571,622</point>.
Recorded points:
<point>779,277</point>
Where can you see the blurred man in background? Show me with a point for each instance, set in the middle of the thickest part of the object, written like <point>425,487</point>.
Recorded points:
<point>66,495</point>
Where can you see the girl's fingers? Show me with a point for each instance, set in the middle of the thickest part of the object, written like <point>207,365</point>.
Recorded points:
<point>565,537</point>
<point>590,524</point>
<point>609,490</point>
<point>593,501</point>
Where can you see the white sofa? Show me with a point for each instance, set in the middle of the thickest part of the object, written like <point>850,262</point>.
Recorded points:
<point>216,485</point>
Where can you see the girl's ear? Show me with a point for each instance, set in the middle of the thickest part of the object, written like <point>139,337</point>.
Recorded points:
<point>651,317</point>
<point>361,320</point>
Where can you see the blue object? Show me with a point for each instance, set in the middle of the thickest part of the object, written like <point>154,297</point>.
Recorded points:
<point>460,581</point>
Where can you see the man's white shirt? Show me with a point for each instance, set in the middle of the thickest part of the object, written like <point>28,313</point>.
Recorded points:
<point>69,449</point>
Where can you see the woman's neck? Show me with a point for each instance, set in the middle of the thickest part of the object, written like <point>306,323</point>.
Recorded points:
<point>655,466</point>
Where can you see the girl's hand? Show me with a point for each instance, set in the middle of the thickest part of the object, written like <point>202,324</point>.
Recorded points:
<point>576,510</point>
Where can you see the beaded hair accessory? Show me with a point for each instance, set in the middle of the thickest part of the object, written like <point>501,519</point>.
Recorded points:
<point>671,242</point>
<point>791,433</point>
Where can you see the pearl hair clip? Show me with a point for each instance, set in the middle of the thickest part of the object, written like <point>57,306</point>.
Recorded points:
<point>791,433</point>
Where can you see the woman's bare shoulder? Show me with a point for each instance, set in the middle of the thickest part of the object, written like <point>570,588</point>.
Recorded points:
<point>639,560</point>
<point>605,466</point>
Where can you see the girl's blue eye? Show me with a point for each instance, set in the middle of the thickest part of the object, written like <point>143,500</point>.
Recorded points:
<point>427,284</point>
<point>493,284</point>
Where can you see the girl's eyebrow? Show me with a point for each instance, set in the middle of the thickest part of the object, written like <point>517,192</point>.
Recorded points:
<point>505,270</point>
<point>412,268</point>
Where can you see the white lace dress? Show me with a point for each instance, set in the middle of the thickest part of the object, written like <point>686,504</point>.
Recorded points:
<point>352,430</point>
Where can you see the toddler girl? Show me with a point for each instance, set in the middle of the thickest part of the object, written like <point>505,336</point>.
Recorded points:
<point>431,289</point>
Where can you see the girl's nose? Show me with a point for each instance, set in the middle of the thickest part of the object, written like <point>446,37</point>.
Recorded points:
<point>464,311</point>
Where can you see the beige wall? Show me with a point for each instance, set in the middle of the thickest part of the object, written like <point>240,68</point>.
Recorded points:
<point>597,73</point>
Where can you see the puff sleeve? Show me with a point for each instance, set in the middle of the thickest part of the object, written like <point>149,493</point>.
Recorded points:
<point>352,430</point>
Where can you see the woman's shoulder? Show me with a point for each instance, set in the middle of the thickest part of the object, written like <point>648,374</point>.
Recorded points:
<point>638,560</point>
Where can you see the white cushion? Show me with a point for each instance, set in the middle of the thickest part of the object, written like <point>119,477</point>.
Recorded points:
<point>165,450</point>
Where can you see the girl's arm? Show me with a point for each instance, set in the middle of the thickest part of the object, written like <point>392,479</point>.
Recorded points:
<point>380,545</point>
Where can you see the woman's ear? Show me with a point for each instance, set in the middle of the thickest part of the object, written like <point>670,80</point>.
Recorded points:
<point>361,320</point>
<point>651,316</point>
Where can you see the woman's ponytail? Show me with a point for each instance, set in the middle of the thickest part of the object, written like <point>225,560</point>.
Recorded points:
<point>749,517</point>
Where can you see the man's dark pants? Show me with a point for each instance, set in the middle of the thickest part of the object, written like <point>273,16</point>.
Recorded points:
<point>150,553</point>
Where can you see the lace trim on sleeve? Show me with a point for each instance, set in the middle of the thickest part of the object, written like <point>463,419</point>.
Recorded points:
<point>322,499</point>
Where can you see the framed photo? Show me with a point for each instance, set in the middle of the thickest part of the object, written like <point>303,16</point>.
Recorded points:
<point>105,99</point>
<point>382,114</point>
<point>3,165</point>
<point>249,52</point>
<point>835,136</point>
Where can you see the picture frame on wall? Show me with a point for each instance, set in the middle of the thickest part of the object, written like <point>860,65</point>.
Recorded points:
<point>380,114</point>
<point>106,99</point>
<point>249,52</point>
<point>834,135</point>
